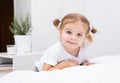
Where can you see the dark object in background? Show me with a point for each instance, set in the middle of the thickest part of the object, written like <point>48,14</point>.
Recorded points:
<point>5,61</point>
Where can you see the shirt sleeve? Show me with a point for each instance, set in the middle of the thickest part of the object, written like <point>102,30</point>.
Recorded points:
<point>82,57</point>
<point>49,57</point>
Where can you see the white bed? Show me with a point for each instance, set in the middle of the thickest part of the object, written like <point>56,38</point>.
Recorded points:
<point>106,70</point>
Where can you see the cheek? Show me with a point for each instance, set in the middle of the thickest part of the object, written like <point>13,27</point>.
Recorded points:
<point>64,36</point>
<point>81,40</point>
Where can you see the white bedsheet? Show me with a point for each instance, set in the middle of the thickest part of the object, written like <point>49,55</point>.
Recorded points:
<point>106,70</point>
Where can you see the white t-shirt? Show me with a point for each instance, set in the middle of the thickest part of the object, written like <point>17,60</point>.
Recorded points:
<point>56,53</point>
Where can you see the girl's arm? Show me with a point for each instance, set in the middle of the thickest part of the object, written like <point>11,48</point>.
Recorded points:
<point>46,67</point>
<point>61,65</point>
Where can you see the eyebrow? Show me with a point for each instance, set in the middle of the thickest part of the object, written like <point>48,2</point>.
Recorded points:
<point>81,32</point>
<point>67,29</point>
<point>78,31</point>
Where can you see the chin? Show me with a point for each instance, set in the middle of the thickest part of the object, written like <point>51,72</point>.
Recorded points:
<point>72,46</point>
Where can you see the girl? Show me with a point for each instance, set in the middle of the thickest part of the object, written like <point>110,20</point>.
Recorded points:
<point>69,51</point>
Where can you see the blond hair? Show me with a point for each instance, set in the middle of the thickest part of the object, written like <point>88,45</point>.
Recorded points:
<point>75,17</point>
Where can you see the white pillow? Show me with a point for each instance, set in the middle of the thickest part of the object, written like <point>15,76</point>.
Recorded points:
<point>107,59</point>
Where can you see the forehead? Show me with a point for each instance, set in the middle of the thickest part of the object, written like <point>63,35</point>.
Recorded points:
<point>76,26</point>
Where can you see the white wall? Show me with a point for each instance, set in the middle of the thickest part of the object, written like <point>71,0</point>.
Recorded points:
<point>44,33</point>
<point>21,7</point>
<point>103,14</point>
<point>70,6</point>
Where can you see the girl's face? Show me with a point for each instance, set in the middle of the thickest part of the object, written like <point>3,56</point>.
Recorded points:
<point>73,35</point>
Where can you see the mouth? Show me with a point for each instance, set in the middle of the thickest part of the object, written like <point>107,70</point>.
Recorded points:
<point>71,42</point>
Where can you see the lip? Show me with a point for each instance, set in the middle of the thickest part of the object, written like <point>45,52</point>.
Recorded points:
<point>71,42</point>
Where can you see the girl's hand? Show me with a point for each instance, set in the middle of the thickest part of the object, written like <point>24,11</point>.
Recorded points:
<point>87,63</point>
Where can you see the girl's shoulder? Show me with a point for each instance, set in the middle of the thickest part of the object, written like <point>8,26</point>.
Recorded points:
<point>53,50</point>
<point>55,47</point>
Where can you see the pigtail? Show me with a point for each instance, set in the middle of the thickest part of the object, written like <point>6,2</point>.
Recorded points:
<point>89,38</point>
<point>56,23</point>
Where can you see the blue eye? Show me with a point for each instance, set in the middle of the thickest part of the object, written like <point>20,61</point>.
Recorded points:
<point>69,32</point>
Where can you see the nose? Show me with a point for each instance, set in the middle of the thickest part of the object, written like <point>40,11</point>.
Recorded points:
<point>73,37</point>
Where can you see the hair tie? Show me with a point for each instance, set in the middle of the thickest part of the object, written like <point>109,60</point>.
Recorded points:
<point>93,30</point>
